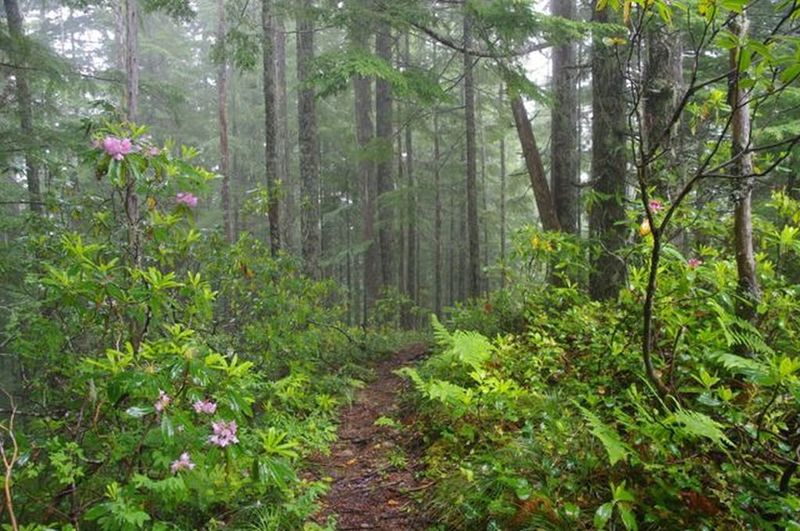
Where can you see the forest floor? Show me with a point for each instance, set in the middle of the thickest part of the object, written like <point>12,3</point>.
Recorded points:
<point>374,468</point>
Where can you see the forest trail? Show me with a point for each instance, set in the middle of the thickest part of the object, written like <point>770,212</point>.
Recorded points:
<point>373,472</point>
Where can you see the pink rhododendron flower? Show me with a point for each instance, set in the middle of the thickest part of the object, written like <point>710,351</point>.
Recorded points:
<point>205,406</point>
<point>153,151</point>
<point>224,433</point>
<point>183,463</point>
<point>694,263</point>
<point>162,402</point>
<point>117,148</point>
<point>655,205</point>
<point>186,198</point>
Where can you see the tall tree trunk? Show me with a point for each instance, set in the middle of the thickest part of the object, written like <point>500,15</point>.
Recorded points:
<point>437,218</point>
<point>473,236</point>
<point>607,215</point>
<point>743,170</point>
<point>282,147</point>
<point>270,126</point>
<point>662,85</point>
<point>362,92</point>
<point>307,138</point>
<point>411,225</point>
<point>383,133</point>
<point>19,44</point>
<point>222,113</point>
<point>502,191</point>
<point>533,161</point>
<point>131,59</point>
<point>484,192</point>
<point>563,126</point>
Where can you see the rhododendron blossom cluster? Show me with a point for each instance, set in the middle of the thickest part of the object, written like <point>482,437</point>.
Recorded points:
<point>205,406</point>
<point>224,433</point>
<point>182,463</point>
<point>162,402</point>
<point>655,205</point>
<point>694,263</point>
<point>117,148</point>
<point>186,198</point>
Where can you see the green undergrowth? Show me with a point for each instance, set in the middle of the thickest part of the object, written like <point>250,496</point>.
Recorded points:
<point>535,412</point>
<point>166,379</point>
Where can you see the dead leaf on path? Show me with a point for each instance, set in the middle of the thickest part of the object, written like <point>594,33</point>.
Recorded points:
<point>393,503</point>
<point>352,461</point>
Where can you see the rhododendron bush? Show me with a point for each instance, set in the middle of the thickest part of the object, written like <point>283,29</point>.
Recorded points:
<point>155,358</point>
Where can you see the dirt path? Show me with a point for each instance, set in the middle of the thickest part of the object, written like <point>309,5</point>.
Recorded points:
<point>372,469</point>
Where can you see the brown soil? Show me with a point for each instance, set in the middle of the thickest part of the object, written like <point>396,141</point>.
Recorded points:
<point>368,491</point>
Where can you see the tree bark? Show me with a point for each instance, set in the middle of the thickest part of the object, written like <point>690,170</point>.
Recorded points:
<point>307,139</point>
<point>411,226</point>
<point>607,215</point>
<point>533,162</point>
<point>502,192</point>
<point>282,147</point>
<point>222,114</point>
<point>473,235</point>
<point>437,218</point>
<point>383,133</point>
<point>362,92</point>
<point>748,286</point>
<point>131,59</point>
<point>270,126</point>
<point>16,31</point>
<point>563,126</point>
<point>662,85</point>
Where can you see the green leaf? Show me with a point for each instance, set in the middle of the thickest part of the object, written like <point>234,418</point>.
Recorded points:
<point>627,516</point>
<point>617,450</point>
<point>139,412</point>
<point>603,514</point>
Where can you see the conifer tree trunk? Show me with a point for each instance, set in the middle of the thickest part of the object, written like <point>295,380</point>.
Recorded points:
<point>473,236</point>
<point>222,114</point>
<point>283,148</point>
<point>411,214</point>
<point>19,56</point>
<point>307,138</point>
<point>131,59</point>
<point>607,215</point>
<point>662,86</point>
<point>383,133</point>
<point>270,126</point>
<point>743,170</point>
<point>533,162</point>
<point>563,126</point>
<point>362,92</point>
<point>502,192</point>
<point>437,218</point>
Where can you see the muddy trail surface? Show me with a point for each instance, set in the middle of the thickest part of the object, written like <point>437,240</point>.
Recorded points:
<point>373,467</point>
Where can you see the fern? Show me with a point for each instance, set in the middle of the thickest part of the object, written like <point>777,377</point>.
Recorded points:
<point>696,424</point>
<point>616,449</point>
<point>440,333</point>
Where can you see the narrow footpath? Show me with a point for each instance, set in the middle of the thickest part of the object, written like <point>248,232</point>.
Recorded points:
<point>374,467</point>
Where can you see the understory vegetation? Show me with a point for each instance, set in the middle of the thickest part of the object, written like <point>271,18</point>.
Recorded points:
<point>536,412</point>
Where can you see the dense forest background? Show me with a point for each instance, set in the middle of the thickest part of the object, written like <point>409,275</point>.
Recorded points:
<point>216,215</point>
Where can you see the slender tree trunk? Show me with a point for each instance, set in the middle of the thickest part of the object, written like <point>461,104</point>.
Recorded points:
<point>282,147</point>
<point>749,290</point>
<point>563,126</point>
<point>437,218</point>
<point>484,191</point>
<point>502,192</point>
<point>270,126</point>
<point>307,138</point>
<point>533,161</point>
<point>662,86</point>
<point>19,44</point>
<point>131,59</point>
<point>411,214</point>
<point>383,133</point>
<point>362,91</point>
<point>607,215</point>
<point>222,113</point>
<point>473,236</point>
